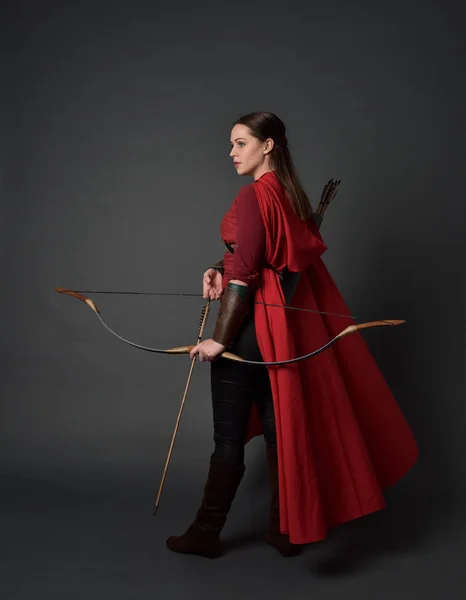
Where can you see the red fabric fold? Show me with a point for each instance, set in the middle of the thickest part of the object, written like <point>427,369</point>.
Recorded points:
<point>341,435</point>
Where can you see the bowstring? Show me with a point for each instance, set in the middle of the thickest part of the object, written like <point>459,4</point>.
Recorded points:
<point>319,312</point>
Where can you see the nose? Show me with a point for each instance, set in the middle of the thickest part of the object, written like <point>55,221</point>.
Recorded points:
<point>233,152</point>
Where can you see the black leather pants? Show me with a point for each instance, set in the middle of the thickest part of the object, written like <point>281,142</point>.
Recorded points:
<point>235,387</point>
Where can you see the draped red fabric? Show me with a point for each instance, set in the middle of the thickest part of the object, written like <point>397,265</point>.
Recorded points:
<point>341,435</point>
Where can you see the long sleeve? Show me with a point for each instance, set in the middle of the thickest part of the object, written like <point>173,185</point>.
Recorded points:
<point>248,258</point>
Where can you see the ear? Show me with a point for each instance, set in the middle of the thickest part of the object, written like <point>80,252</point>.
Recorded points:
<point>268,145</point>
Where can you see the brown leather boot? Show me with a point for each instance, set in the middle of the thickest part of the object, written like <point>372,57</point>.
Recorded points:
<point>273,537</point>
<point>202,537</point>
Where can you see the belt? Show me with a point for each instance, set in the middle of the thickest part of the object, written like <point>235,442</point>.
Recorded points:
<point>230,247</point>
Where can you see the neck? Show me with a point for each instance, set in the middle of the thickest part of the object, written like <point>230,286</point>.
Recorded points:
<point>261,171</point>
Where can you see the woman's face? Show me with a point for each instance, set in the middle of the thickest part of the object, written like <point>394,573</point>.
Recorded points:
<point>249,154</point>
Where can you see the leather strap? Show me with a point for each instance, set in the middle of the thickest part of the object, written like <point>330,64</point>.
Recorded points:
<point>317,219</point>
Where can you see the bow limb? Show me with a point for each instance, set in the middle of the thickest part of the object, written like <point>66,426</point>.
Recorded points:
<point>228,355</point>
<point>92,305</point>
<point>350,329</point>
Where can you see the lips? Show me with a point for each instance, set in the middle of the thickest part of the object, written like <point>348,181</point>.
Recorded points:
<point>236,163</point>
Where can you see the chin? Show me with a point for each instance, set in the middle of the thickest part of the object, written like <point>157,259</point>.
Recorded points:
<point>241,171</point>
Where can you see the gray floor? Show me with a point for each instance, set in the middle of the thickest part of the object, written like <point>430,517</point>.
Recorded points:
<point>63,540</point>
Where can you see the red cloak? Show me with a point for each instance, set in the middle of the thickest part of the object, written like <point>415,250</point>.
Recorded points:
<point>341,435</point>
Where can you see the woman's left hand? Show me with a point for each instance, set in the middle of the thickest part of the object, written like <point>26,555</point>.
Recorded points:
<point>208,350</point>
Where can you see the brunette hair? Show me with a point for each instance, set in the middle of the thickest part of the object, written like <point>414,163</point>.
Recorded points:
<point>265,125</point>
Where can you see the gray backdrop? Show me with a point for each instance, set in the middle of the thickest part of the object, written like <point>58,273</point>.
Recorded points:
<point>115,175</point>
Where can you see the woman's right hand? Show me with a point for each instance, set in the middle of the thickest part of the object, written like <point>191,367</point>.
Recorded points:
<point>212,284</point>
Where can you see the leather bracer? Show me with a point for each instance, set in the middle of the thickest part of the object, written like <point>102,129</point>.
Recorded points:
<point>218,266</point>
<point>233,309</point>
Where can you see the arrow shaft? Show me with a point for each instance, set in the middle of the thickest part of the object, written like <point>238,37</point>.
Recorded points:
<point>180,412</point>
<point>204,315</point>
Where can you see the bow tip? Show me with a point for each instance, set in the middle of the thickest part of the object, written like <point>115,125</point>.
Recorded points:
<point>78,296</point>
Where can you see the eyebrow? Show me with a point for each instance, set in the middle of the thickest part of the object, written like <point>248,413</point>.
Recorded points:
<point>238,139</point>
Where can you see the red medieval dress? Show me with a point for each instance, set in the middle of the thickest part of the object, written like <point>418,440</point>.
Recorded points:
<point>341,436</point>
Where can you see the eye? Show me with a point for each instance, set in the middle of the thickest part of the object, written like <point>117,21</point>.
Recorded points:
<point>240,143</point>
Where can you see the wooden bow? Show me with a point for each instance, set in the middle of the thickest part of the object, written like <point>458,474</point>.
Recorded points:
<point>229,355</point>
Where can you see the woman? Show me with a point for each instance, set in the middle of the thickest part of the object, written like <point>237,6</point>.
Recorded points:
<point>334,434</point>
